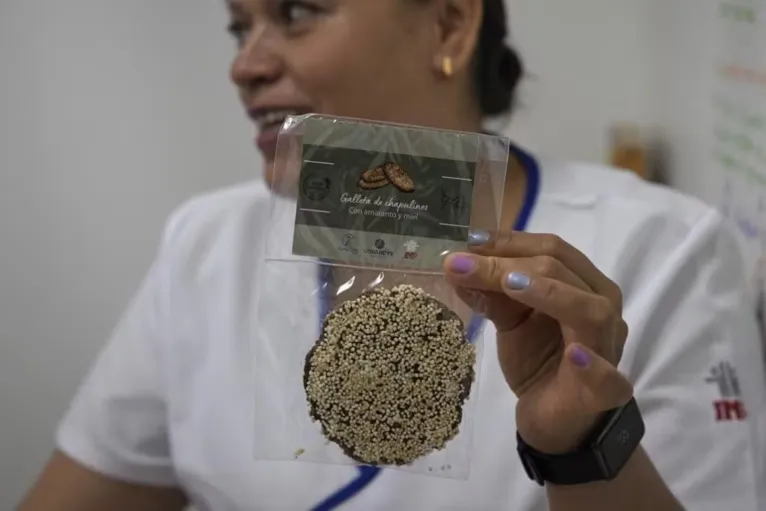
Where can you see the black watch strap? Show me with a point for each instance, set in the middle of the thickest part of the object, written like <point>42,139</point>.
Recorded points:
<point>601,457</point>
<point>562,469</point>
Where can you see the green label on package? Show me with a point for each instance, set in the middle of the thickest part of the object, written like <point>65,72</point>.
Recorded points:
<point>377,195</point>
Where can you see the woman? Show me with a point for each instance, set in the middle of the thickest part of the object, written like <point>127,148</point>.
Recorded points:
<point>165,416</point>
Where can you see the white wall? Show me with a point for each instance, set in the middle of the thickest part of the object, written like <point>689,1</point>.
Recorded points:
<point>589,64</point>
<point>685,41</point>
<point>112,112</point>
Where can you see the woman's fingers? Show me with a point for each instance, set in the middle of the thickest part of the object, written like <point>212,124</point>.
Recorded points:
<point>569,305</point>
<point>552,289</point>
<point>497,307</point>
<point>486,273</point>
<point>519,244</point>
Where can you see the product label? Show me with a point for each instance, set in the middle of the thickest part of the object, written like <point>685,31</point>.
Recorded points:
<point>379,195</point>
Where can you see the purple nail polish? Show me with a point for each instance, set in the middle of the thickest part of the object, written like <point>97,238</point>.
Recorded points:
<point>580,357</point>
<point>462,264</point>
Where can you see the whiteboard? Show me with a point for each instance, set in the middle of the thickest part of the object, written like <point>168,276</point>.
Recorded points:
<point>738,127</point>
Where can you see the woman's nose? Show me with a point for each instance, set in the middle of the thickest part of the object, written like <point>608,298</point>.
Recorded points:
<point>257,62</point>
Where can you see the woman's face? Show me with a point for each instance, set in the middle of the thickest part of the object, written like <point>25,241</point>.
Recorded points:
<point>371,59</point>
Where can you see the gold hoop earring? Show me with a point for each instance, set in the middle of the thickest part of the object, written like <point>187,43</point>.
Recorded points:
<point>447,66</point>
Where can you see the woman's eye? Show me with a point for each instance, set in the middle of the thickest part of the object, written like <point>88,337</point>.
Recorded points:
<point>238,31</point>
<point>295,11</point>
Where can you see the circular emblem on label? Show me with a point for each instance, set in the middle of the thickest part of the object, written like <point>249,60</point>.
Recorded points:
<point>380,244</point>
<point>347,239</point>
<point>316,187</point>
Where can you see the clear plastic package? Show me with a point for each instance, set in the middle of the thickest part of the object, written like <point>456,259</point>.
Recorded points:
<point>381,365</point>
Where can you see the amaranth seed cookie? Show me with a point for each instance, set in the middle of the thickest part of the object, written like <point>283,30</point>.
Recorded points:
<point>399,177</point>
<point>388,378</point>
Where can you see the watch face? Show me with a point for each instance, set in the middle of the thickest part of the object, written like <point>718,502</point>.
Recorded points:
<point>620,438</point>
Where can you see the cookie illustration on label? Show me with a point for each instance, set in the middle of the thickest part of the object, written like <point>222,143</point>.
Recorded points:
<point>374,175</point>
<point>398,177</point>
<point>372,185</point>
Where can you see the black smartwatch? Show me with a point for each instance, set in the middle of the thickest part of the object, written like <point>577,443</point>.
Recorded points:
<point>601,457</point>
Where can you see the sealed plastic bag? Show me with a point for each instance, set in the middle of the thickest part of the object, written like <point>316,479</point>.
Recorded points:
<point>363,353</point>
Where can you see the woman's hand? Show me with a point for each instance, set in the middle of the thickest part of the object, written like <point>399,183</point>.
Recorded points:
<point>560,331</point>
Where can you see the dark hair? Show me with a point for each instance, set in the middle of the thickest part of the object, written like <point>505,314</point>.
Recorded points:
<point>498,68</point>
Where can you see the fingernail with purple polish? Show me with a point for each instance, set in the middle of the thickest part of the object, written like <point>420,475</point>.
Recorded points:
<point>476,238</point>
<point>517,281</point>
<point>580,357</point>
<point>462,264</point>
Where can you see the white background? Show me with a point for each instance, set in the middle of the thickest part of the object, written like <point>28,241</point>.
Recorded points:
<point>112,112</point>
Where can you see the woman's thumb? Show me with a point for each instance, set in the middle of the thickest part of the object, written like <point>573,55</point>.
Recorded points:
<point>601,386</point>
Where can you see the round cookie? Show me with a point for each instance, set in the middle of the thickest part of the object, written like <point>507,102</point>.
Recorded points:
<point>389,375</point>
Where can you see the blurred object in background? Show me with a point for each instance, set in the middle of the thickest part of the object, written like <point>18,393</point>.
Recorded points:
<point>629,149</point>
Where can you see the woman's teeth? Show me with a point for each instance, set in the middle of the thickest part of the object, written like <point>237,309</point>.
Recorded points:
<point>273,118</point>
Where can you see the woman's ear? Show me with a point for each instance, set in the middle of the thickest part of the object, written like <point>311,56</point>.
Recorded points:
<point>459,23</point>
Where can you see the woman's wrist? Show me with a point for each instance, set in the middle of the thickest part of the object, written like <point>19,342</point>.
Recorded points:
<point>560,436</point>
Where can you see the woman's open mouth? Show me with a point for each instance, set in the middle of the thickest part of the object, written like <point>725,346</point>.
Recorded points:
<point>269,121</point>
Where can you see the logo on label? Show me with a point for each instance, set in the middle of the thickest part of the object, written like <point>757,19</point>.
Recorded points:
<point>730,407</point>
<point>452,202</point>
<point>411,249</point>
<point>348,244</point>
<point>379,249</point>
<point>315,187</point>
